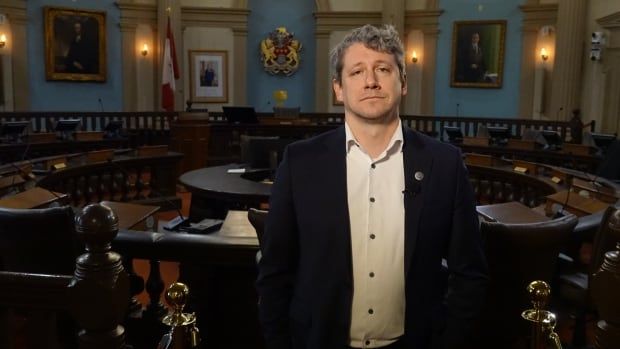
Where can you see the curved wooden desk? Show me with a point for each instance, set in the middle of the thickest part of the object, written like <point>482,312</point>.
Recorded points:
<point>215,191</point>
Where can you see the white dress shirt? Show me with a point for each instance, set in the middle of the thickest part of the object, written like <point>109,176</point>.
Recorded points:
<point>377,217</point>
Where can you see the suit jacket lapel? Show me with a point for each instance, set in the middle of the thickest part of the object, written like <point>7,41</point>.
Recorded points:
<point>335,167</point>
<point>416,160</point>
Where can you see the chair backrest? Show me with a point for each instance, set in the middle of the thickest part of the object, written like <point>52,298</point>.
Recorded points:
<point>286,112</point>
<point>518,254</point>
<point>38,240</point>
<point>603,239</point>
<point>257,219</point>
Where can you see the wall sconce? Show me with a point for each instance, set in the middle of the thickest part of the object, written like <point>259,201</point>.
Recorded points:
<point>543,54</point>
<point>414,57</point>
<point>145,50</point>
<point>2,40</point>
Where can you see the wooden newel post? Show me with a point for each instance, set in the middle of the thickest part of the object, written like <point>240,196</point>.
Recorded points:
<point>605,290</point>
<point>99,291</point>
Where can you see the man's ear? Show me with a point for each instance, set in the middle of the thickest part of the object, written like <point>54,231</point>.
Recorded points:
<point>403,89</point>
<point>337,86</point>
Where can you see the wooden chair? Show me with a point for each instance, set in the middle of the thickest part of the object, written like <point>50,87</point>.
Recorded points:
<point>517,254</point>
<point>573,283</point>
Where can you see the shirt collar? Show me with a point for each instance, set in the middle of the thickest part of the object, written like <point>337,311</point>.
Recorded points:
<point>395,144</point>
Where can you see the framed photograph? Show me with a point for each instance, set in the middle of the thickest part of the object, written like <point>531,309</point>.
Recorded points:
<point>208,71</point>
<point>75,44</point>
<point>478,54</point>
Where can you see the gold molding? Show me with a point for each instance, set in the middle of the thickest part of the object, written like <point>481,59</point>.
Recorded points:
<point>15,10</point>
<point>134,14</point>
<point>233,18</point>
<point>322,6</point>
<point>327,22</point>
<point>426,21</point>
<point>612,23</point>
<point>537,16</point>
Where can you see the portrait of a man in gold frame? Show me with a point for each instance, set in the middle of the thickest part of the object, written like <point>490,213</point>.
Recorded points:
<point>75,44</point>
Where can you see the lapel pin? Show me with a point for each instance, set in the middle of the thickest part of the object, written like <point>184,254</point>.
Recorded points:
<point>419,176</point>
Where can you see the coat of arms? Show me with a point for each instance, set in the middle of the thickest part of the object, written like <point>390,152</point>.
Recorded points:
<point>280,52</point>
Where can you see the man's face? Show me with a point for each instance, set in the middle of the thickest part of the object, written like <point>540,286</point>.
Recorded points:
<point>78,28</point>
<point>371,86</point>
<point>475,38</point>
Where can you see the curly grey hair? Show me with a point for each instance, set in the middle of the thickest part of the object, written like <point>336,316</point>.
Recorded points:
<point>383,39</point>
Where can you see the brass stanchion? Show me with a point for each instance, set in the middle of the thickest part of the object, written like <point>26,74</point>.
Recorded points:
<point>543,321</point>
<point>183,332</point>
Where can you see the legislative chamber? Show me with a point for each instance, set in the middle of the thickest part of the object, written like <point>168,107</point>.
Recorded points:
<point>141,142</point>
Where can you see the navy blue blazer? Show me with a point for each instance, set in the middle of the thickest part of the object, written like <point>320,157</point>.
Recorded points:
<point>305,281</point>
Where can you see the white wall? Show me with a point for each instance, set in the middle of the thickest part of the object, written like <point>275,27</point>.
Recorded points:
<point>145,73</point>
<point>200,38</point>
<point>6,66</point>
<point>593,73</point>
<point>414,42</point>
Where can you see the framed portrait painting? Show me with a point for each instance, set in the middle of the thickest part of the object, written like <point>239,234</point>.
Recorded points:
<point>208,76</point>
<point>75,44</point>
<point>478,54</point>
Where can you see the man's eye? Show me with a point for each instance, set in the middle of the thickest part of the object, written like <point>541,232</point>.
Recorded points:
<point>383,69</point>
<point>356,72</point>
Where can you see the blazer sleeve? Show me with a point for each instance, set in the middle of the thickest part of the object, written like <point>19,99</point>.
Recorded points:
<point>467,267</point>
<point>277,268</point>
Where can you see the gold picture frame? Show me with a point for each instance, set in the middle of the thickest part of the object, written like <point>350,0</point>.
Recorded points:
<point>478,54</point>
<point>75,44</point>
<point>208,76</point>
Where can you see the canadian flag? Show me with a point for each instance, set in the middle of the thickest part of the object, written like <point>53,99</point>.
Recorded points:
<point>170,72</point>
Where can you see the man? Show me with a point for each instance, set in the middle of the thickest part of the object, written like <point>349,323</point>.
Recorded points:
<point>360,219</point>
<point>474,67</point>
<point>80,57</point>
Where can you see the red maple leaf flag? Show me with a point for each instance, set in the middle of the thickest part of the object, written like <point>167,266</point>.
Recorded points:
<point>170,72</point>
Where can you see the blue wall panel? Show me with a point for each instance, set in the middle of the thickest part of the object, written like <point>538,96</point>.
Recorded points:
<point>65,95</point>
<point>297,17</point>
<point>501,102</point>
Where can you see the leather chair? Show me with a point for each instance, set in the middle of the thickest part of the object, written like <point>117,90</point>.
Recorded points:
<point>41,241</point>
<point>286,112</point>
<point>517,254</point>
<point>38,240</point>
<point>573,282</point>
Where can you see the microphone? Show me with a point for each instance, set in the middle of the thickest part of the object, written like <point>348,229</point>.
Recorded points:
<point>100,104</point>
<point>557,114</point>
<point>413,189</point>
<point>175,223</point>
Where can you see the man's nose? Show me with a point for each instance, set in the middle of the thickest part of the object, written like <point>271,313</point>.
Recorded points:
<point>371,80</point>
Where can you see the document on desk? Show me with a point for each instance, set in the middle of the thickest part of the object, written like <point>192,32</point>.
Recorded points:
<point>236,170</point>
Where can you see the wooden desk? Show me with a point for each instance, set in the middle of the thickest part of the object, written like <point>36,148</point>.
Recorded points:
<point>32,198</point>
<point>576,204</point>
<point>130,215</point>
<point>215,191</point>
<point>510,212</point>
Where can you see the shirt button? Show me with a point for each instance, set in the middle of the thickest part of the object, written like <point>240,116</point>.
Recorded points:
<point>372,199</point>
<point>367,342</point>
<point>370,311</point>
<point>372,236</point>
<point>372,275</point>
<point>373,166</point>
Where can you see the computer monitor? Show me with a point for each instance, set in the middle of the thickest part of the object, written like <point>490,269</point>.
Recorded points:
<point>66,127</point>
<point>113,129</point>
<point>13,129</point>
<point>240,115</point>
<point>263,152</point>
<point>499,135</point>
<point>603,140</point>
<point>455,135</point>
<point>553,138</point>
